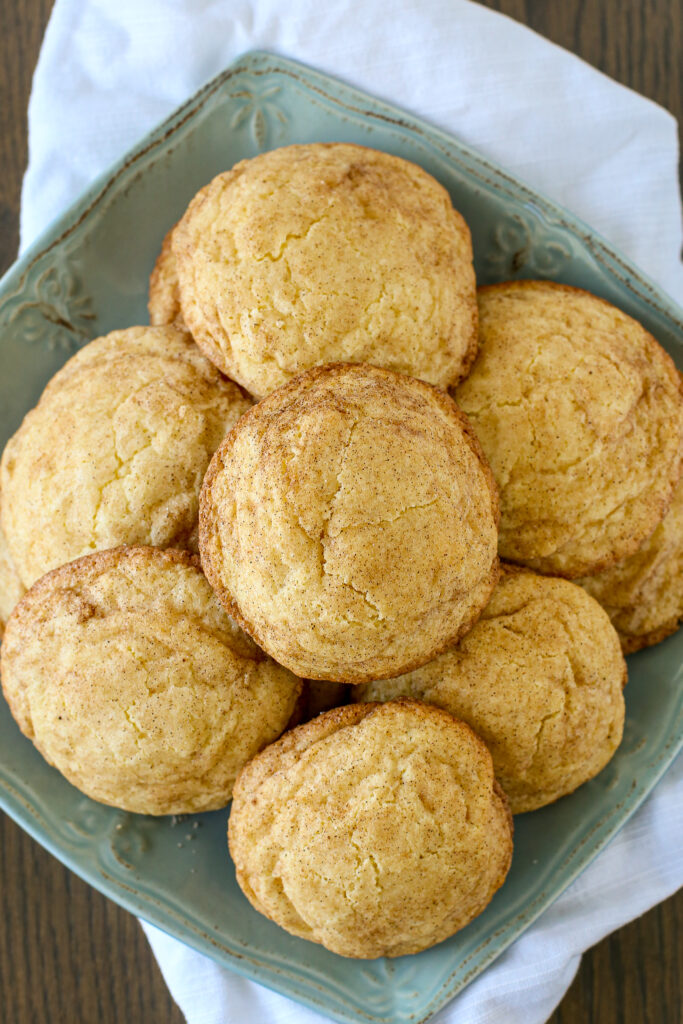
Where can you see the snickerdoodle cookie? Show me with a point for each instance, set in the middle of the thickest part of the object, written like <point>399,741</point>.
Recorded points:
<point>539,678</point>
<point>348,522</point>
<point>129,677</point>
<point>580,414</point>
<point>375,829</point>
<point>643,595</point>
<point>327,253</point>
<point>164,293</point>
<point>116,449</point>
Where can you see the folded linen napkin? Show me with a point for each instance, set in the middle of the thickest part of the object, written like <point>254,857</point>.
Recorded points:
<point>109,70</point>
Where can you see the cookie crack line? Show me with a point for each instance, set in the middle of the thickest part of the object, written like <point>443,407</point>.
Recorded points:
<point>191,683</point>
<point>365,857</point>
<point>538,738</point>
<point>291,236</point>
<point>382,522</point>
<point>369,603</point>
<point>329,512</point>
<point>324,536</point>
<point>140,734</point>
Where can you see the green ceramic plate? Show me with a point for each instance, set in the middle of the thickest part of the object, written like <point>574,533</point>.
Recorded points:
<point>87,275</point>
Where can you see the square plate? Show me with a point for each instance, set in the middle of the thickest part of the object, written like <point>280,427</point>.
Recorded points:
<point>87,275</point>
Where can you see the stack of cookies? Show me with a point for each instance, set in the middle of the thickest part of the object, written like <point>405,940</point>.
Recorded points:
<point>252,550</point>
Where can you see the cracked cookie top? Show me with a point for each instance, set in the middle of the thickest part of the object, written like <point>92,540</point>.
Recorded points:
<point>539,678</point>
<point>127,674</point>
<point>580,414</point>
<point>348,522</point>
<point>116,449</point>
<point>327,253</point>
<point>375,829</point>
<point>643,594</point>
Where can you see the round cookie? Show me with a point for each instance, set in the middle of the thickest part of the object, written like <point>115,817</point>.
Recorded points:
<point>164,292</point>
<point>539,678</point>
<point>374,830</point>
<point>327,253</point>
<point>116,449</point>
<point>130,679</point>
<point>580,414</point>
<point>643,595</point>
<point>348,522</point>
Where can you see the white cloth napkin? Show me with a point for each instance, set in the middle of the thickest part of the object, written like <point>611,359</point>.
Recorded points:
<point>109,70</point>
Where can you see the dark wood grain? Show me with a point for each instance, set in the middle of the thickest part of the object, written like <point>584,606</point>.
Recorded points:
<point>69,956</point>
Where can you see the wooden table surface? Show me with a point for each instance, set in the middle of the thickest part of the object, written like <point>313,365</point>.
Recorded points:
<point>67,954</point>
